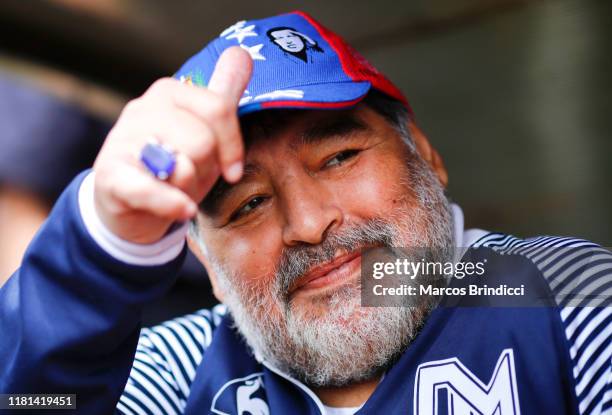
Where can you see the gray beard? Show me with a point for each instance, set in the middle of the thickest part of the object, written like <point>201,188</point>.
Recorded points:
<point>347,343</point>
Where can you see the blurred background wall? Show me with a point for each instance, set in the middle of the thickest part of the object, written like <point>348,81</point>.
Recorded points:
<point>515,94</point>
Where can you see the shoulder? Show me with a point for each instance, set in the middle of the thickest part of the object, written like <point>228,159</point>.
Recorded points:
<point>192,331</point>
<point>579,275</point>
<point>578,272</point>
<point>166,361</point>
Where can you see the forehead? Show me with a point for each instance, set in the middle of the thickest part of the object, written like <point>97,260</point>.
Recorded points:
<point>296,125</point>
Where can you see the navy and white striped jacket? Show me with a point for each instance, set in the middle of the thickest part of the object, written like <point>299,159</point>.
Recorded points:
<point>70,323</point>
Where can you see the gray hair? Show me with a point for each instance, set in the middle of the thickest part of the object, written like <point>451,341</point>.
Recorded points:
<point>394,111</point>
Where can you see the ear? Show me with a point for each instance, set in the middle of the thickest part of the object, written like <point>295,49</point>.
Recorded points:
<point>194,246</point>
<point>428,153</point>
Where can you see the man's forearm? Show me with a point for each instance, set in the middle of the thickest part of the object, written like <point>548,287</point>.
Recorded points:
<point>70,316</point>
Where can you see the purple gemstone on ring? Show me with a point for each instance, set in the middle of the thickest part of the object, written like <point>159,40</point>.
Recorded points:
<point>159,160</point>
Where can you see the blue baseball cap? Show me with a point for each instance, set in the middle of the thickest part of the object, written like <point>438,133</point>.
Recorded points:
<point>297,63</point>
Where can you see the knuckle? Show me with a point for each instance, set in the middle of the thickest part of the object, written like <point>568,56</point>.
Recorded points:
<point>162,85</point>
<point>132,110</point>
<point>133,106</point>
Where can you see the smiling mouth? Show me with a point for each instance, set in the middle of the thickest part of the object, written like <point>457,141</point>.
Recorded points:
<point>330,274</point>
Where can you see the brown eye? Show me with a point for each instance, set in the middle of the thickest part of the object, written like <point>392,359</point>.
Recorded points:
<point>248,207</point>
<point>341,157</point>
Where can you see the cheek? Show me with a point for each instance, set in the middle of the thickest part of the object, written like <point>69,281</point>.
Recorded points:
<point>375,190</point>
<point>370,191</point>
<point>251,253</point>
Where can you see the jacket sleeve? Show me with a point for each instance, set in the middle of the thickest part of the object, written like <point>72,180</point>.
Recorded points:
<point>166,362</point>
<point>70,316</point>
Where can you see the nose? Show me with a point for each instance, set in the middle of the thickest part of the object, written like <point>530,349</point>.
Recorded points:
<point>310,212</point>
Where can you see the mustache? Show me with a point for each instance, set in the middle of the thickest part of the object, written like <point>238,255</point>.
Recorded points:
<point>298,260</point>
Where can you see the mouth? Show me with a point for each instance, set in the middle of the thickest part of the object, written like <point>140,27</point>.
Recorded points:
<point>330,274</point>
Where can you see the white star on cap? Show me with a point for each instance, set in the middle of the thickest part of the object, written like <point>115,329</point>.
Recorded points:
<point>254,51</point>
<point>241,33</point>
<point>233,28</point>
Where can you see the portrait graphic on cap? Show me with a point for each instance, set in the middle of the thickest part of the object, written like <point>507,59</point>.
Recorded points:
<point>293,42</point>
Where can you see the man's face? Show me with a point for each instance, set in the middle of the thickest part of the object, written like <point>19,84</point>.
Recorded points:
<point>288,40</point>
<point>284,244</point>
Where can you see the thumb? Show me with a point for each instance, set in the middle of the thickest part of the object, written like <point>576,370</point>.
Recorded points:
<point>232,74</point>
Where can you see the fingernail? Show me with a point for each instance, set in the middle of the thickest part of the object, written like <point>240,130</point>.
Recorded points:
<point>234,171</point>
<point>191,210</point>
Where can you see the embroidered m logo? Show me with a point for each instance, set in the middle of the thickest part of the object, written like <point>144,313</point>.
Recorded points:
<point>447,386</point>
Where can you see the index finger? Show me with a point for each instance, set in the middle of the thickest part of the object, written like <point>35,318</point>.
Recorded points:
<point>228,81</point>
<point>232,74</point>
